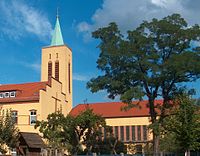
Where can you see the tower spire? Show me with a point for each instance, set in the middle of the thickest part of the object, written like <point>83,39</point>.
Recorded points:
<point>57,13</point>
<point>57,38</point>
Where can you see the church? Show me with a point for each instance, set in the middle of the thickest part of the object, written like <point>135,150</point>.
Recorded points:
<point>33,101</point>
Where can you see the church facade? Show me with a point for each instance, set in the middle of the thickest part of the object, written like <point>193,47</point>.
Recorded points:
<point>33,101</point>
<point>29,102</point>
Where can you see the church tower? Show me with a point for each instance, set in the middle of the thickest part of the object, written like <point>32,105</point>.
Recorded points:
<point>57,62</point>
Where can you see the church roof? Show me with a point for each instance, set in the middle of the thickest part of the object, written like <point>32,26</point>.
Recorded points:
<point>57,38</point>
<point>23,92</point>
<point>114,109</point>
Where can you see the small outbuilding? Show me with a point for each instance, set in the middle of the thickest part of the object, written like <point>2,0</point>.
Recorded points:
<point>30,144</point>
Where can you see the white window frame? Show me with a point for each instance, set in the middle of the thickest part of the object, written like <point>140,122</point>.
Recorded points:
<point>6,96</point>
<point>1,95</point>
<point>33,116</point>
<point>13,94</point>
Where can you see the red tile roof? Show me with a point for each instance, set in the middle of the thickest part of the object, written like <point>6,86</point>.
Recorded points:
<point>24,92</point>
<point>114,109</point>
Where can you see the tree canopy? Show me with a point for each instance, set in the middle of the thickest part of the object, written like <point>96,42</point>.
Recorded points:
<point>183,125</point>
<point>150,61</point>
<point>72,132</point>
<point>9,133</point>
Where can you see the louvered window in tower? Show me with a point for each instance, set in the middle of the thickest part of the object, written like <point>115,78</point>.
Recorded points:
<point>69,79</point>
<point>49,70</point>
<point>57,70</point>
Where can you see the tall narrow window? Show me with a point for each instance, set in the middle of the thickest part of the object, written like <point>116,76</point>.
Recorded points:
<point>116,131</point>
<point>14,116</point>
<point>69,78</point>
<point>49,69</point>
<point>139,133</point>
<point>127,133</point>
<point>122,133</point>
<point>33,117</point>
<point>133,133</point>
<point>57,70</point>
<point>144,132</point>
<point>104,133</point>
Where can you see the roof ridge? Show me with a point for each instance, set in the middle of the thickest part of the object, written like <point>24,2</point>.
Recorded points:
<point>24,83</point>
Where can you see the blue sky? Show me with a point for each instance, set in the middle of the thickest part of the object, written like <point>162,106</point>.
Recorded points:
<point>26,26</point>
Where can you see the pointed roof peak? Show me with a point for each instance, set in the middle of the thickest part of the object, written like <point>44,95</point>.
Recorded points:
<point>57,38</point>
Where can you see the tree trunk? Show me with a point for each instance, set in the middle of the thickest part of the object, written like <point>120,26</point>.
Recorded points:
<point>187,153</point>
<point>156,135</point>
<point>156,141</point>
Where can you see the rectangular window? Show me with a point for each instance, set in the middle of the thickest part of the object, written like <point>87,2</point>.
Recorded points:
<point>133,133</point>
<point>116,131</point>
<point>6,94</point>
<point>33,117</point>
<point>104,132</point>
<point>139,133</point>
<point>14,116</point>
<point>144,132</point>
<point>127,133</point>
<point>13,94</point>
<point>1,95</point>
<point>49,70</point>
<point>122,133</point>
<point>57,70</point>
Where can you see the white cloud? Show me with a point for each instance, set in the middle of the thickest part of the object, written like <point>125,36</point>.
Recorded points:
<point>34,66</point>
<point>79,77</point>
<point>128,14</point>
<point>19,20</point>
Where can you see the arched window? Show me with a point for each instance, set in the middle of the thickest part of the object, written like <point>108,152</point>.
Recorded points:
<point>69,77</point>
<point>57,70</point>
<point>49,69</point>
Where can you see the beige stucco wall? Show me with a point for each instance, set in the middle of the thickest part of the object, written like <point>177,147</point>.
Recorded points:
<point>49,103</point>
<point>23,110</point>
<point>128,121</point>
<point>64,55</point>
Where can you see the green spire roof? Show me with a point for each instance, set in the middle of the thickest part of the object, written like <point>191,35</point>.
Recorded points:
<point>57,38</point>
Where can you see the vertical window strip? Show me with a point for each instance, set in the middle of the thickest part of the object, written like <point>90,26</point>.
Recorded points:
<point>127,133</point>
<point>69,78</point>
<point>116,132</point>
<point>57,70</point>
<point>139,133</point>
<point>122,133</point>
<point>133,133</point>
<point>104,133</point>
<point>49,70</point>
<point>144,132</point>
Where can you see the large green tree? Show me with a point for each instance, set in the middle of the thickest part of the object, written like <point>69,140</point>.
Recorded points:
<point>52,129</point>
<point>9,133</point>
<point>71,132</point>
<point>150,61</point>
<point>182,126</point>
<point>87,128</point>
